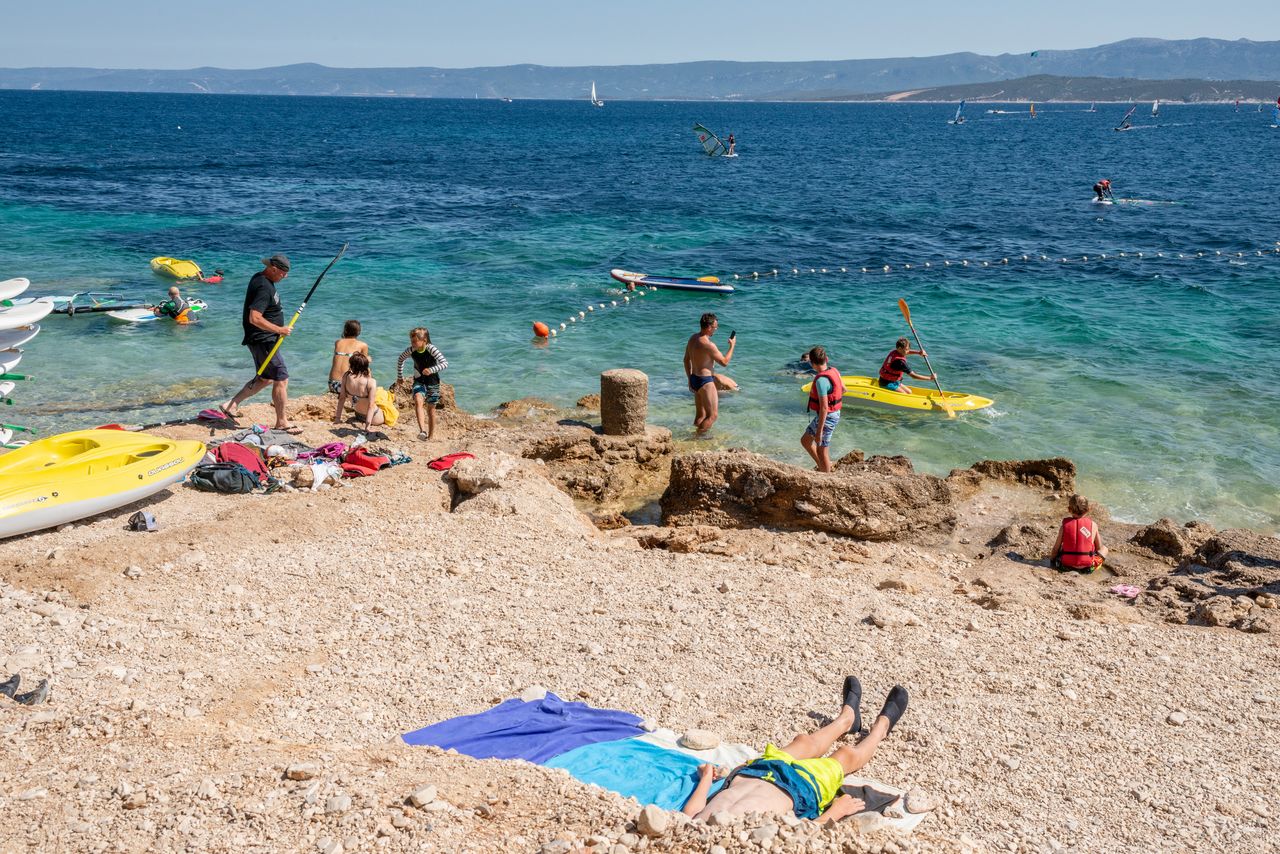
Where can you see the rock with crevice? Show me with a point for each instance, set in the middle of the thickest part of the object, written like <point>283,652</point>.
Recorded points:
<point>1231,580</point>
<point>737,489</point>
<point>1057,474</point>
<point>1169,539</point>
<point>602,469</point>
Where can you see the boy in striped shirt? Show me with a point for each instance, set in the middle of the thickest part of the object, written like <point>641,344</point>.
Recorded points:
<point>428,362</point>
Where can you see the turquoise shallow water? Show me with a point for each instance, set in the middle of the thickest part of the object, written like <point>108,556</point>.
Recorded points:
<point>1157,376</point>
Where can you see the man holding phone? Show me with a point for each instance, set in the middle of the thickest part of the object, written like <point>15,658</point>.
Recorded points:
<point>701,355</point>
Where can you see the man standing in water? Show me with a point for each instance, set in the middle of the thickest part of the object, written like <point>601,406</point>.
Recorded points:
<point>701,355</point>
<point>263,320</point>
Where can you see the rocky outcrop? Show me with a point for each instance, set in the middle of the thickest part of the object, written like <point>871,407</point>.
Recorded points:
<point>1168,539</point>
<point>1231,579</point>
<point>525,407</point>
<point>1057,474</point>
<point>867,501</point>
<point>496,484</point>
<point>602,469</point>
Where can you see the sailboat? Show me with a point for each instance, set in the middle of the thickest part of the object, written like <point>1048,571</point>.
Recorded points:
<point>1124,123</point>
<point>1155,108</point>
<point>959,119</point>
<point>595,101</point>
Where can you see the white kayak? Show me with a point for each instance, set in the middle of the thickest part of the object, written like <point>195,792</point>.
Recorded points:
<point>25,314</point>
<point>146,315</point>
<point>12,338</point>
<point>10,288</point>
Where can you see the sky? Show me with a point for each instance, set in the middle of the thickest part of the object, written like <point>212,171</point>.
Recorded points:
<point>245,34</point>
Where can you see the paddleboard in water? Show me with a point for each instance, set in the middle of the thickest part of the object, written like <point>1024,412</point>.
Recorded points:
<point>10,288</point>
<point>145,315</point>
<point>17,337</point>
<point>1098,201</point>
<point>706,284</point>
<point>25,313</point>
<point>735,154</point>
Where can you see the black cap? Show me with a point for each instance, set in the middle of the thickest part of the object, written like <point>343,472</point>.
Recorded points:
<point>278,260</point>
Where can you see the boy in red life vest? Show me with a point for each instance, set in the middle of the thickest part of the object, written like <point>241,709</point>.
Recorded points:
<point>1079,544</point>
<point>826,396</point>
<point>895,365</point>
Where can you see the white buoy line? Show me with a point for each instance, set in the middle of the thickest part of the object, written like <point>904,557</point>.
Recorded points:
<point>591,309</point>
<point>1028,258</point>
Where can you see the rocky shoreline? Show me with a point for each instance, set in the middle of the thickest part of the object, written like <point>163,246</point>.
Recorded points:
<point>239,679</point>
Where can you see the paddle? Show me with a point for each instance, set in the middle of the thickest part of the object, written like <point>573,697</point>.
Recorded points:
<point>938,401</point>
<point>298,313</point>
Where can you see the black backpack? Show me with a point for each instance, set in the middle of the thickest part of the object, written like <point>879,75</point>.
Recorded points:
<point>231,478</point>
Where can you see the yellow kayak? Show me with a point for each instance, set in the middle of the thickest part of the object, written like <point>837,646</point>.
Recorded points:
<point>175,268</point>
<point>866,390</point>
<point>76,475</point>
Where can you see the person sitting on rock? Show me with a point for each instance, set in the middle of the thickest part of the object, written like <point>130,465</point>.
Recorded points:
<point>1079,545</point>
<point>800,778</point>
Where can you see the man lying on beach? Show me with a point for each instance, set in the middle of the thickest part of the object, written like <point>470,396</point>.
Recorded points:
<point>800,778</point>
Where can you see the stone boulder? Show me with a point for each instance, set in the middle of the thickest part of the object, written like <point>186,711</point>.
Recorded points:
<point>737,489</point>
<point>1057,474</point>
<point>1168,539</point>
<point>602,469</point>
<point>1029,536</point>
<point>525,407</point>
<point>496,484</point>
<point>1231,579</point>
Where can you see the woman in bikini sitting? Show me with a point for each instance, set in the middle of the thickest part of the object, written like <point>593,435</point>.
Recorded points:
<point>343,349</point>
<point>362,388</point>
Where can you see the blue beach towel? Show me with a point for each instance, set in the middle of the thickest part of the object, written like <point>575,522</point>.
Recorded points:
<point>534,730</point>
<point>636,769</point>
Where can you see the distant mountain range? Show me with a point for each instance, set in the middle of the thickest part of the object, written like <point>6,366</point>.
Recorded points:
<point>1047,87</point>
<point>1143,59</point>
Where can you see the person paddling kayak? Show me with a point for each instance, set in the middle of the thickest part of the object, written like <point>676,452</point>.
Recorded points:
<point>895,366</point>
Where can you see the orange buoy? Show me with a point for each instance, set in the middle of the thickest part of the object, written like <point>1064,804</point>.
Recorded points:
<point>540,329</point>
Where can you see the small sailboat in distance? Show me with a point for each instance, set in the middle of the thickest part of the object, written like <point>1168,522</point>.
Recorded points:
<point>1155,108</point>
<point>959,119</point>
<point>595,101</point>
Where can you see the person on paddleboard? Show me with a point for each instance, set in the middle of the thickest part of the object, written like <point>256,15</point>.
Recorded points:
<point>895,366</point>
<point>701,355</point>
<point>1103,190</point>
<point>263,322</point>
<point>175,306</point>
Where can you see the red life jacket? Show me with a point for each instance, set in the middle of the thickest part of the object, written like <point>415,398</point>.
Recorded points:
<point>837,390</point>
<point>1079,542</point>
<point>887,373</point>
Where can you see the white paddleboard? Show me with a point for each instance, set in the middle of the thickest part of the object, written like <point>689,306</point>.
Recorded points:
<point>9,360</point>
<point>146,315</point>
<point>10,288</point>
<point>25,314</point>
<point>6,387</point>
<point>1098,201</point>
<point>735,154</point>
<point>17,337</point>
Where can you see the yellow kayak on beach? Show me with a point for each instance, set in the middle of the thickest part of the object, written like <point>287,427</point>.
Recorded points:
<point>80,474</point>
<point>175,268</point>
<point>867,390</point>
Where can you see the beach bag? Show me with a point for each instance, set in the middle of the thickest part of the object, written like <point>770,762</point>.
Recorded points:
<point>227,478</point>
<point>234,452</point>
<point>384,401</point>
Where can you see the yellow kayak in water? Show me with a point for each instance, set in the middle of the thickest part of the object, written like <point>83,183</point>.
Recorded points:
<point>867,390</point>
<point>176,268</point>
<point>80,474</point>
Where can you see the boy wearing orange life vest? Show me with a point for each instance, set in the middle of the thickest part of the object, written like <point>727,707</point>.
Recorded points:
<point>826,396</point>
<point>1079,545</point>
<point>895,365</point>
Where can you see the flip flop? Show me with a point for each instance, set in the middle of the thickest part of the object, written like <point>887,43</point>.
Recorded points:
<point>292,430</point>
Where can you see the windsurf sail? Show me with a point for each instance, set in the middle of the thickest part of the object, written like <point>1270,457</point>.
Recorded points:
<point>959,113</point>
<point>711,143</point>
<point>1275,114</point>
<point>1033,109</point>
<point>1155,108</point>
<point>1124,123</point>
<point>1093,107</point>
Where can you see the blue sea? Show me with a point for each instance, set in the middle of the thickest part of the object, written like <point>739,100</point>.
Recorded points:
<point>1157,375</point>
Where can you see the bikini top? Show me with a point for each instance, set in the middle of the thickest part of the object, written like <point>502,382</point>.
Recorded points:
<point>354,396</point>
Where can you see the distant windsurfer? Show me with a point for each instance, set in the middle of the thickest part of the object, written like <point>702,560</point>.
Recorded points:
<point>732,144</point>
<point>1103,190</point>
